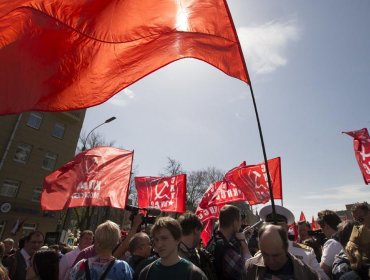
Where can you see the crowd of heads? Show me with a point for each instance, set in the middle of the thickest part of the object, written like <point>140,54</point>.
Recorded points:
<point>170,238</point>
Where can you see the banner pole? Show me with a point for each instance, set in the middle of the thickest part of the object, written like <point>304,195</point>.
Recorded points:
<point>264,155</point>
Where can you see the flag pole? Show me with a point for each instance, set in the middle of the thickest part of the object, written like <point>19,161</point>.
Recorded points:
<point>264,155</point>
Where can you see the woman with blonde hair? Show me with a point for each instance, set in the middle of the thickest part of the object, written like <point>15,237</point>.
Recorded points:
<point>104,265</point>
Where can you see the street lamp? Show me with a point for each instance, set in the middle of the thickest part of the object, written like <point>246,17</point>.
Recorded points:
<point>106,121</point>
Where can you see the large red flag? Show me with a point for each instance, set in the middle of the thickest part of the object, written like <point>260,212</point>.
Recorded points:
<point>361,144</point>
<point>70,54</point>
<point>166,193</point>
<point>96,177</point>
<point>252,181</point>
<point>220,193</point>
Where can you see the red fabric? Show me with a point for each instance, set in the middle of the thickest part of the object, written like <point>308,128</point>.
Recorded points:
<point>166,193</point>
<point>313,224</point>
<point>252,181</point>
<point>302,217</point>
<point>96,177</point>
<point>206,233</point>
<point>70,54</point>
<point>293,231</point>
<point>361,144</point>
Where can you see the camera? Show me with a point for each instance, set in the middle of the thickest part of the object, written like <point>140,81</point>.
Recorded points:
<point>150,216</point>
<point>318,235</point>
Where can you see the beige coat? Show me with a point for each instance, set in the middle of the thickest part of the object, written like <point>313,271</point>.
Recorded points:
<point>255,269</point>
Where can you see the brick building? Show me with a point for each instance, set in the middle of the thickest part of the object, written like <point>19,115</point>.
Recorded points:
<point>32,145</point>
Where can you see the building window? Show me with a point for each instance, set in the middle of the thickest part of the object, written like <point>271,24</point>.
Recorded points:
<point>34,120</point>
<point>22,153</point>
<point>49,161</point>
<point>9,188</point>
<point>58,130</point>
<point>2,227</point>
<point>36,194</point>
<point>27,228</point>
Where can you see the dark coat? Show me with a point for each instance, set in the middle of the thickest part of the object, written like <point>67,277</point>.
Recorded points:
<point>16,265</point>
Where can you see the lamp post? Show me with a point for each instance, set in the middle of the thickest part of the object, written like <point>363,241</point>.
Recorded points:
<point>87,137</point>
<point>84,149</point>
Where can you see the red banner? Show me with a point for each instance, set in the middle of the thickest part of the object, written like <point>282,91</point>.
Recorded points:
<point>361,144</point>
<point>252,181</point>
<point>96,177</point>
<point>165,193</point>
<point>302,217</point>
<point>63,55</point>
<point>313,224</point>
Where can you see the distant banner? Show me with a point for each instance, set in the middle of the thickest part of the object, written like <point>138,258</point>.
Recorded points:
<point>252,181</point>
<point>96,177</point>
<point>165,193</point>
<point>361,144</point>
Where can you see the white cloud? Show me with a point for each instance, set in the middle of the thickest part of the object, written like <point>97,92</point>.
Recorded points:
<point>122,98</point>
<point>264,46</point>
<point>345,193</point>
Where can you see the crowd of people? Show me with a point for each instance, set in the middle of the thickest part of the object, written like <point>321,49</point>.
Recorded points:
<point>172,249</point>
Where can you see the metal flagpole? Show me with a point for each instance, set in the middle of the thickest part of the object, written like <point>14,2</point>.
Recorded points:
<point>264,155</point>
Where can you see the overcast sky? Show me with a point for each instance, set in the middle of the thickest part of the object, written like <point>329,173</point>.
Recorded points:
<point>309,63</point>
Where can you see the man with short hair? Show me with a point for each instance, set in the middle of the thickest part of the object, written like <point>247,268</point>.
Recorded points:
<point>140,248</point>
<point>18,263</point>
<point>285,217</point>
<point>166,234</point>
<point>228,258</point>
<point>275,262</point>
<point>329,221</point>
<point>361,214</point>
<point>67,261</point>
<point>191,227</point>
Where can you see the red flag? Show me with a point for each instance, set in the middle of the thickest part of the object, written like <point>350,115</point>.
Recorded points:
<point>220,193</point>
<point>96,177</point>
<point>293,231</point>
<point>361,144</point>
<point>166,193</point>
<point>63,55</point>
<point>302,217</point>
<point>313,224</point>
<point>206,233</point>
<point>252,181</point>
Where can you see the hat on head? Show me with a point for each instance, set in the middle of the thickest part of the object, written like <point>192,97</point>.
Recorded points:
<point>266,213</point>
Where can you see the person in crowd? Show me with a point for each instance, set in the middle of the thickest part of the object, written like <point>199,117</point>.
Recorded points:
<point>3,270</point>
<point>104,265</point>
<point>361,214</point>
<point>191,227</point>
<point>274,261</point>
<point>56,248</point>
<point>45,266</point>
<point>2,252</point>
<point>66,262</point>
<point>9,247</point>
<point>140,248</point>
<point>285,217</point>
<point>228,259</point>
<point>121,249</point>
<point>328,221</point>
<point>341,263</point>
<point>303,228</point>
<point>166,234</point>
<point>18,263</point>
